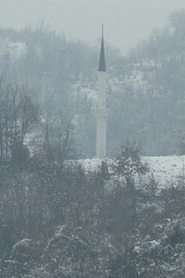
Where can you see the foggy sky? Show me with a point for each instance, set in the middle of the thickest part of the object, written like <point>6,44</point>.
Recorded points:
<point>126,21</point>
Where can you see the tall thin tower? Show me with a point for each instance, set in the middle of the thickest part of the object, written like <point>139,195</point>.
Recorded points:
<point>101,113</point>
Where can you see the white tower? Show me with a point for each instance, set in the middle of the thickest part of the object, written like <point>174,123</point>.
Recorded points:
<point>101,113</point>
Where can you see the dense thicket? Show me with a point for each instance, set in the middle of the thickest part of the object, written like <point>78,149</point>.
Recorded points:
<point>59,221</point>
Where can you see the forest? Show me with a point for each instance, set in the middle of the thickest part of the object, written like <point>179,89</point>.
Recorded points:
<point>56,218</point>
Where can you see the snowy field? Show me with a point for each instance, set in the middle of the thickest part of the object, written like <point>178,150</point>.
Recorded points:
<point>165,169</point>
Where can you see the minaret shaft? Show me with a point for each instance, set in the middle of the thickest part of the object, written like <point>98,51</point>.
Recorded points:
<point>101,113</point>
<point>101,116</point>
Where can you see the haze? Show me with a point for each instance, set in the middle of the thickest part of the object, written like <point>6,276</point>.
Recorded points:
<point>126,21</point>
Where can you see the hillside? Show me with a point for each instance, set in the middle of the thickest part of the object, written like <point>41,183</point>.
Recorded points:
<point>149,104</point>
<point>145,91</point>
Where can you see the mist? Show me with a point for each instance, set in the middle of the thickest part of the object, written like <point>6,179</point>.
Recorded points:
<point>126,21</point>
<point>92,139</point>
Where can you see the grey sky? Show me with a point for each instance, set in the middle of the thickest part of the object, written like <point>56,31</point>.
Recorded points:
<point>126,21</point>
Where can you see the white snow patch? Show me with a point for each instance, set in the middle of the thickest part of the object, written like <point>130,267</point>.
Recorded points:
<point>91,165</point>
<point>166,170</point>
<point>14,49</point>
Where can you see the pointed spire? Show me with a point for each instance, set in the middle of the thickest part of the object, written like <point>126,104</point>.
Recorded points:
<point>102,65</point>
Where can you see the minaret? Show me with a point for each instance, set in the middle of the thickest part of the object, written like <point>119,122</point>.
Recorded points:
<point>101,113</point>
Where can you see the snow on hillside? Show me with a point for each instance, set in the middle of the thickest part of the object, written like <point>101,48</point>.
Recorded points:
<point>166,170</point>
<point>14,49</point>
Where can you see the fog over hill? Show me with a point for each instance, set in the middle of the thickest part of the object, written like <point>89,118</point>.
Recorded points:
<point>126,21</point>
<point>146,87</point>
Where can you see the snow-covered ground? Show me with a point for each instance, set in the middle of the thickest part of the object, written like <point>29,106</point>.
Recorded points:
<point>14,49</point>
<point>166,170</point>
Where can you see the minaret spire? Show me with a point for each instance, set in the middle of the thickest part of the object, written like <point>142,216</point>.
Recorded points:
<point>102,65</point>
<point>101,113</point>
